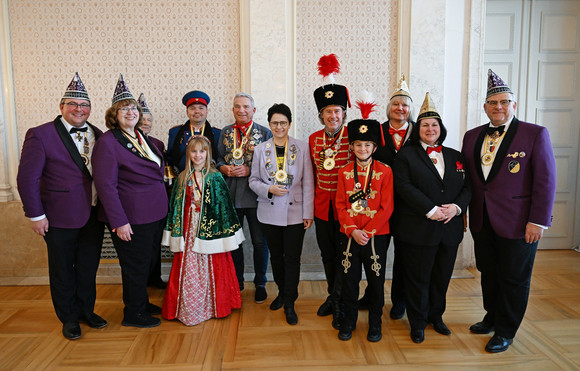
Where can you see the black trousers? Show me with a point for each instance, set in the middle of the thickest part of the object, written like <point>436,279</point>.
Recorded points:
<point>135,258</point>
<point>73,260</point>
<point>327,237</point>
<point>361,257</point>
<point>285,245</point>
<point>398,282</point>
<point>155,272</point>
<point>428,270</point>
<point>259,245</point>
<point>506,273</point>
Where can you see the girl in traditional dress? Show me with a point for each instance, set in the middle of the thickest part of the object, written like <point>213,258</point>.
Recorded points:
<point>202,228</point>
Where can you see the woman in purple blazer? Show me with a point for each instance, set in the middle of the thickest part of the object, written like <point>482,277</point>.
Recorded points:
<point>128,173</point>
<point>282,178</point>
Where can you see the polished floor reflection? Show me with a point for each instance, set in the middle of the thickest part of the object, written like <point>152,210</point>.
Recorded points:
<point>257,338</point>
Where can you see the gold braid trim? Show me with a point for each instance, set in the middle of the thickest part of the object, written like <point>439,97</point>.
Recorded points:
<point>367,211</point>
<point>346,263</point>
<point>376,266</point>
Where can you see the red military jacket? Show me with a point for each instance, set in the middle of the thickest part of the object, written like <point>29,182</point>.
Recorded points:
<point>374,219</point>
<point>326,180</point>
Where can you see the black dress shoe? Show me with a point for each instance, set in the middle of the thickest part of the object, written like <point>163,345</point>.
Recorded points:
<point>441,328</point>
<point>417,336</point>
<point>397,311</point>
<point>482,327</point>
<point>374,334</point>
<point>291,316</point>
<point>277,303</point>
<point>261,295</point>
<point>345,334</point>
<point>498,344</point>
<point>153,309</point>
<point>93,320</point>
<point>71,330</point>
<point>325,309</point>
<point>141,320</point>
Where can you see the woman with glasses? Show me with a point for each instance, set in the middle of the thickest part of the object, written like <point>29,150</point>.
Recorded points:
<point>282,178</point>
<point>433,192</point>
<point>128,173</point>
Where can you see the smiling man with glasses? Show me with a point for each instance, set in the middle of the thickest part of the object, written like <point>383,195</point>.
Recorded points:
<point>513,174</point>
<point>56,186</point>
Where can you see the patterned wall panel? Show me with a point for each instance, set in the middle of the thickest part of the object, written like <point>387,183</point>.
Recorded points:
<point>363,34</point>
<point>164,48</point>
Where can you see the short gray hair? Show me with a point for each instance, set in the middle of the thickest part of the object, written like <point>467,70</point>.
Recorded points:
<point>245,95</point>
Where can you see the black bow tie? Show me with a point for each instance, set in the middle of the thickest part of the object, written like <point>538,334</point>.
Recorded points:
<point>74,130</point>
<point>492,129</point>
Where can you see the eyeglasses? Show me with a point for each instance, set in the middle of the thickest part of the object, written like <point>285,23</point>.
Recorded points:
<point>127,109</point>
<point>74,105</point>
<point>282,124</point>
<point>494,103</point>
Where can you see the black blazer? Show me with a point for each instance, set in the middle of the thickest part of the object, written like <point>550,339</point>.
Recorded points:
<point>420,188</point>
<point>387,153</point>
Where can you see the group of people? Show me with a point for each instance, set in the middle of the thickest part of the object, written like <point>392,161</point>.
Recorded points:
<point>359,184</point>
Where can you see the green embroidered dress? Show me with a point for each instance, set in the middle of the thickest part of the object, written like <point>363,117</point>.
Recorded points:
<point>219,229</point>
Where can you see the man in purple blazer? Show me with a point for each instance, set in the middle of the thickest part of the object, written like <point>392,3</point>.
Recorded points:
<point>513,173</point>
<point>57,192</point>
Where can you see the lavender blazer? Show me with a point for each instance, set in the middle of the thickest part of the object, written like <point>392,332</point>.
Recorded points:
<point>296,205</point>
<point>518,189</point>
<point>52,178</point>
<point>130,187</point>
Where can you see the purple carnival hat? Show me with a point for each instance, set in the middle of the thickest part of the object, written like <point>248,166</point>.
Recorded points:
<point>495,85</point>
<point>121,91</point>
<point>76,89</point>
<point>143,104</point>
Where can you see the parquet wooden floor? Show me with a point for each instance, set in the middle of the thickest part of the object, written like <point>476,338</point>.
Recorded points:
<point>255,338</point>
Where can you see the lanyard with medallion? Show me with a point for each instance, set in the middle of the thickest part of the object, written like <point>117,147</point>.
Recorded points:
<point>238,151</point>
<point>281,175</point>
<point>136,144</point>
<point>359,199</point>
<point>329,152</point>
<point>491,142</point>
<point>196,196</point>
<point>192,130</point>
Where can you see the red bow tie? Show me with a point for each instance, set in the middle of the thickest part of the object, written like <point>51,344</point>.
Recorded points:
<point>433,149</point>
<point>401,132</point>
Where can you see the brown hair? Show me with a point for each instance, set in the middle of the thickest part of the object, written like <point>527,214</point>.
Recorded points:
<point>111,114</point>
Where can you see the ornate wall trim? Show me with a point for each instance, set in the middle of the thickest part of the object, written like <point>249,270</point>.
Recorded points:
<point>8,131</point>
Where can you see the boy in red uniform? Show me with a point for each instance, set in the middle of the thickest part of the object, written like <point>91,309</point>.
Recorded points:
<point>364,203</point>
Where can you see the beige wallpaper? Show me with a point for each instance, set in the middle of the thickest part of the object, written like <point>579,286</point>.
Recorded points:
<point>164,48</point>
<point>363,34</point>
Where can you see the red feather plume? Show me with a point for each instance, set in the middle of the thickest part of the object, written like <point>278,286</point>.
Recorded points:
<point>328,64</point>
<point>366,104</point>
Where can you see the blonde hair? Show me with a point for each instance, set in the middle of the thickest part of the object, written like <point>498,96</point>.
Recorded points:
<point>407,100</point>
<point>197,140</point>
